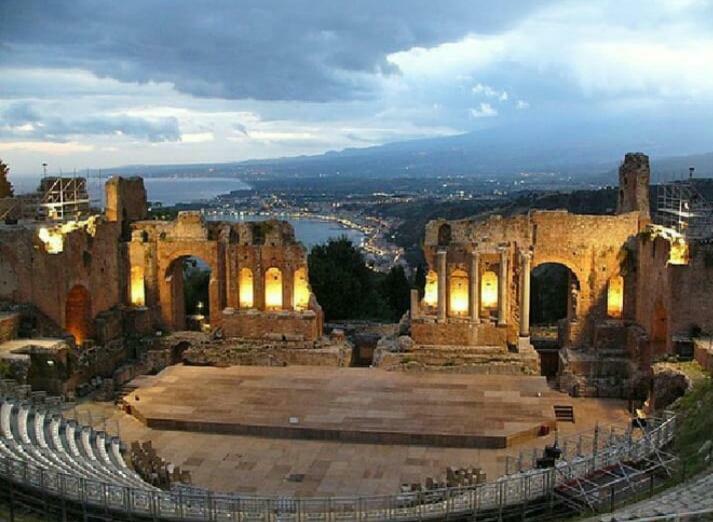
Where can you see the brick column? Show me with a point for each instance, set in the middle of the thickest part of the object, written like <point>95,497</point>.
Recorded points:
<point>525,258</point>
<point>503,287</point>
<point>442,281</point>
<point>415,312</point>
<point>474,289</point>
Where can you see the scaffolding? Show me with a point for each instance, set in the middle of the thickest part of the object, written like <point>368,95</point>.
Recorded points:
<point>681,207</point>
<point>56,199</point>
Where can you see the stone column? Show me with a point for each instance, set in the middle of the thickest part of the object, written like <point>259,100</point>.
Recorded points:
<point>442,282</point>
<point>414,303</point>
<point>474,290</point>
<point>503,287</point>
<point>525,258</point>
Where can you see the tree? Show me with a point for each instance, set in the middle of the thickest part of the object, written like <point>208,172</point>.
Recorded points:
<point>396,291</point>
<point>5,185</point>
<point>340,279</point>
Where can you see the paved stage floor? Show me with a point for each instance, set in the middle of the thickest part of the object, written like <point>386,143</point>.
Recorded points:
<point>348,404</point>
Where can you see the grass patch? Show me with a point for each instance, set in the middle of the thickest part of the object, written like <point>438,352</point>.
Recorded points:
<point>695,422</point>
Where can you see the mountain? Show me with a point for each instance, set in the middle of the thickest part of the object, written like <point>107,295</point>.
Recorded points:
<point>594,150</point>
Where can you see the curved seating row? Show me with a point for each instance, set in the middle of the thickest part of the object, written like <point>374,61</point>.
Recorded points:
<point>49,441</point>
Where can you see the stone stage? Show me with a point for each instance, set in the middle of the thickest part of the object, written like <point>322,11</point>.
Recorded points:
<point>366,405</point>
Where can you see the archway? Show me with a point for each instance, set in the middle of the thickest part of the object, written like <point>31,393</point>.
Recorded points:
<point>78,314</point>
<point>273,289</point>
<point>190,278</point>
<point>554,291</point>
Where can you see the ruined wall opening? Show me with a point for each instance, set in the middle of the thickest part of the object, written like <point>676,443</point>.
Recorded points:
<point>246,288</point>
<point>458,300</point>
<point>300,292</point>
<point>78,314</point>
<point>137,287</point>
<point>553,296</point>
<point>444,235</point>
<point>190,279</point>
<point>430,290</point>
<point>273,289</point>
<point>615,297</point>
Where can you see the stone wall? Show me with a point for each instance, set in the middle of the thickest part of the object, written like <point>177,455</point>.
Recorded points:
<point>34,271</point>
<point>9,326</point>
<point>158,248</point>
<point>590,246</point>
<point>285,324</point>
<point>672,298</point>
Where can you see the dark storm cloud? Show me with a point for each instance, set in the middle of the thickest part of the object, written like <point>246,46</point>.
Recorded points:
<point>54,128</point>
<point>308,50</point>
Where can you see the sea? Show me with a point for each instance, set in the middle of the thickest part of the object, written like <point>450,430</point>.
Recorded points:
<point>308,231</point>
<point>169,191</point>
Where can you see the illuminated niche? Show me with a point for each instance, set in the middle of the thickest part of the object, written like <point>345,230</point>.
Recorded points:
<point>273,289</point>
<point>245,288</point>
<point>489,290</point>
<point>459,293</point>
<point>138,292</point>
<point>301,289</point>
<point>615,297</point>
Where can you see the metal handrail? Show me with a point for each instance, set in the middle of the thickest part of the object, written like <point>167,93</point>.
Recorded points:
<point>509,490</point>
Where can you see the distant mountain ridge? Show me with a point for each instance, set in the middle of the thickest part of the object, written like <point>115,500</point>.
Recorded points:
<point>594,151</point>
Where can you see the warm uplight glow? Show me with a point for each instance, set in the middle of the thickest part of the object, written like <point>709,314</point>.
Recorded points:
<point>273,289</point>
<point>615,297</point>
<point>301,289</point>
<point>459,293</point>
<point>245,288</point>
<point>430,296</point>
<point>678,255</point>
<point>138,295</point>
<point>78,314</point>
<point>489,290</point>
<point>53,237</point>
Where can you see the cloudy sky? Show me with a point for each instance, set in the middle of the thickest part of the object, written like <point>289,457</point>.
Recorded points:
<point>87,84</point>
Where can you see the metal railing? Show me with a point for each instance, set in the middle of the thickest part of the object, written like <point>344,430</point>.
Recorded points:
<point>510,490</point>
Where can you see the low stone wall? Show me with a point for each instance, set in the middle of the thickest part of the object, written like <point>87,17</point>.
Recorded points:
<point>428,331</point>
<point>703,352</point>
<point>399,354</point>
<point>285,324</point>
<point>9,326</point>
<point>247,352</point>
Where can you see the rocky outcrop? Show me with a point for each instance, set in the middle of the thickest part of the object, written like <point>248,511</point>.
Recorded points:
<point>669,383</point>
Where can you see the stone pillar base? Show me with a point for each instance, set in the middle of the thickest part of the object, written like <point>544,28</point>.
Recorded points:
<point>523,343</point>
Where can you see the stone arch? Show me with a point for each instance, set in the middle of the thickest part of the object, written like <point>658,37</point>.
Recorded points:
<point>173,302</point>
<point>577,288</point>
<point>246,288</point>
<point>300,293</point>
<point>554,293</point>
<point>458,293</point>
<point>273,289</point>
<point>444,235</point>
<point>78,314</point>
